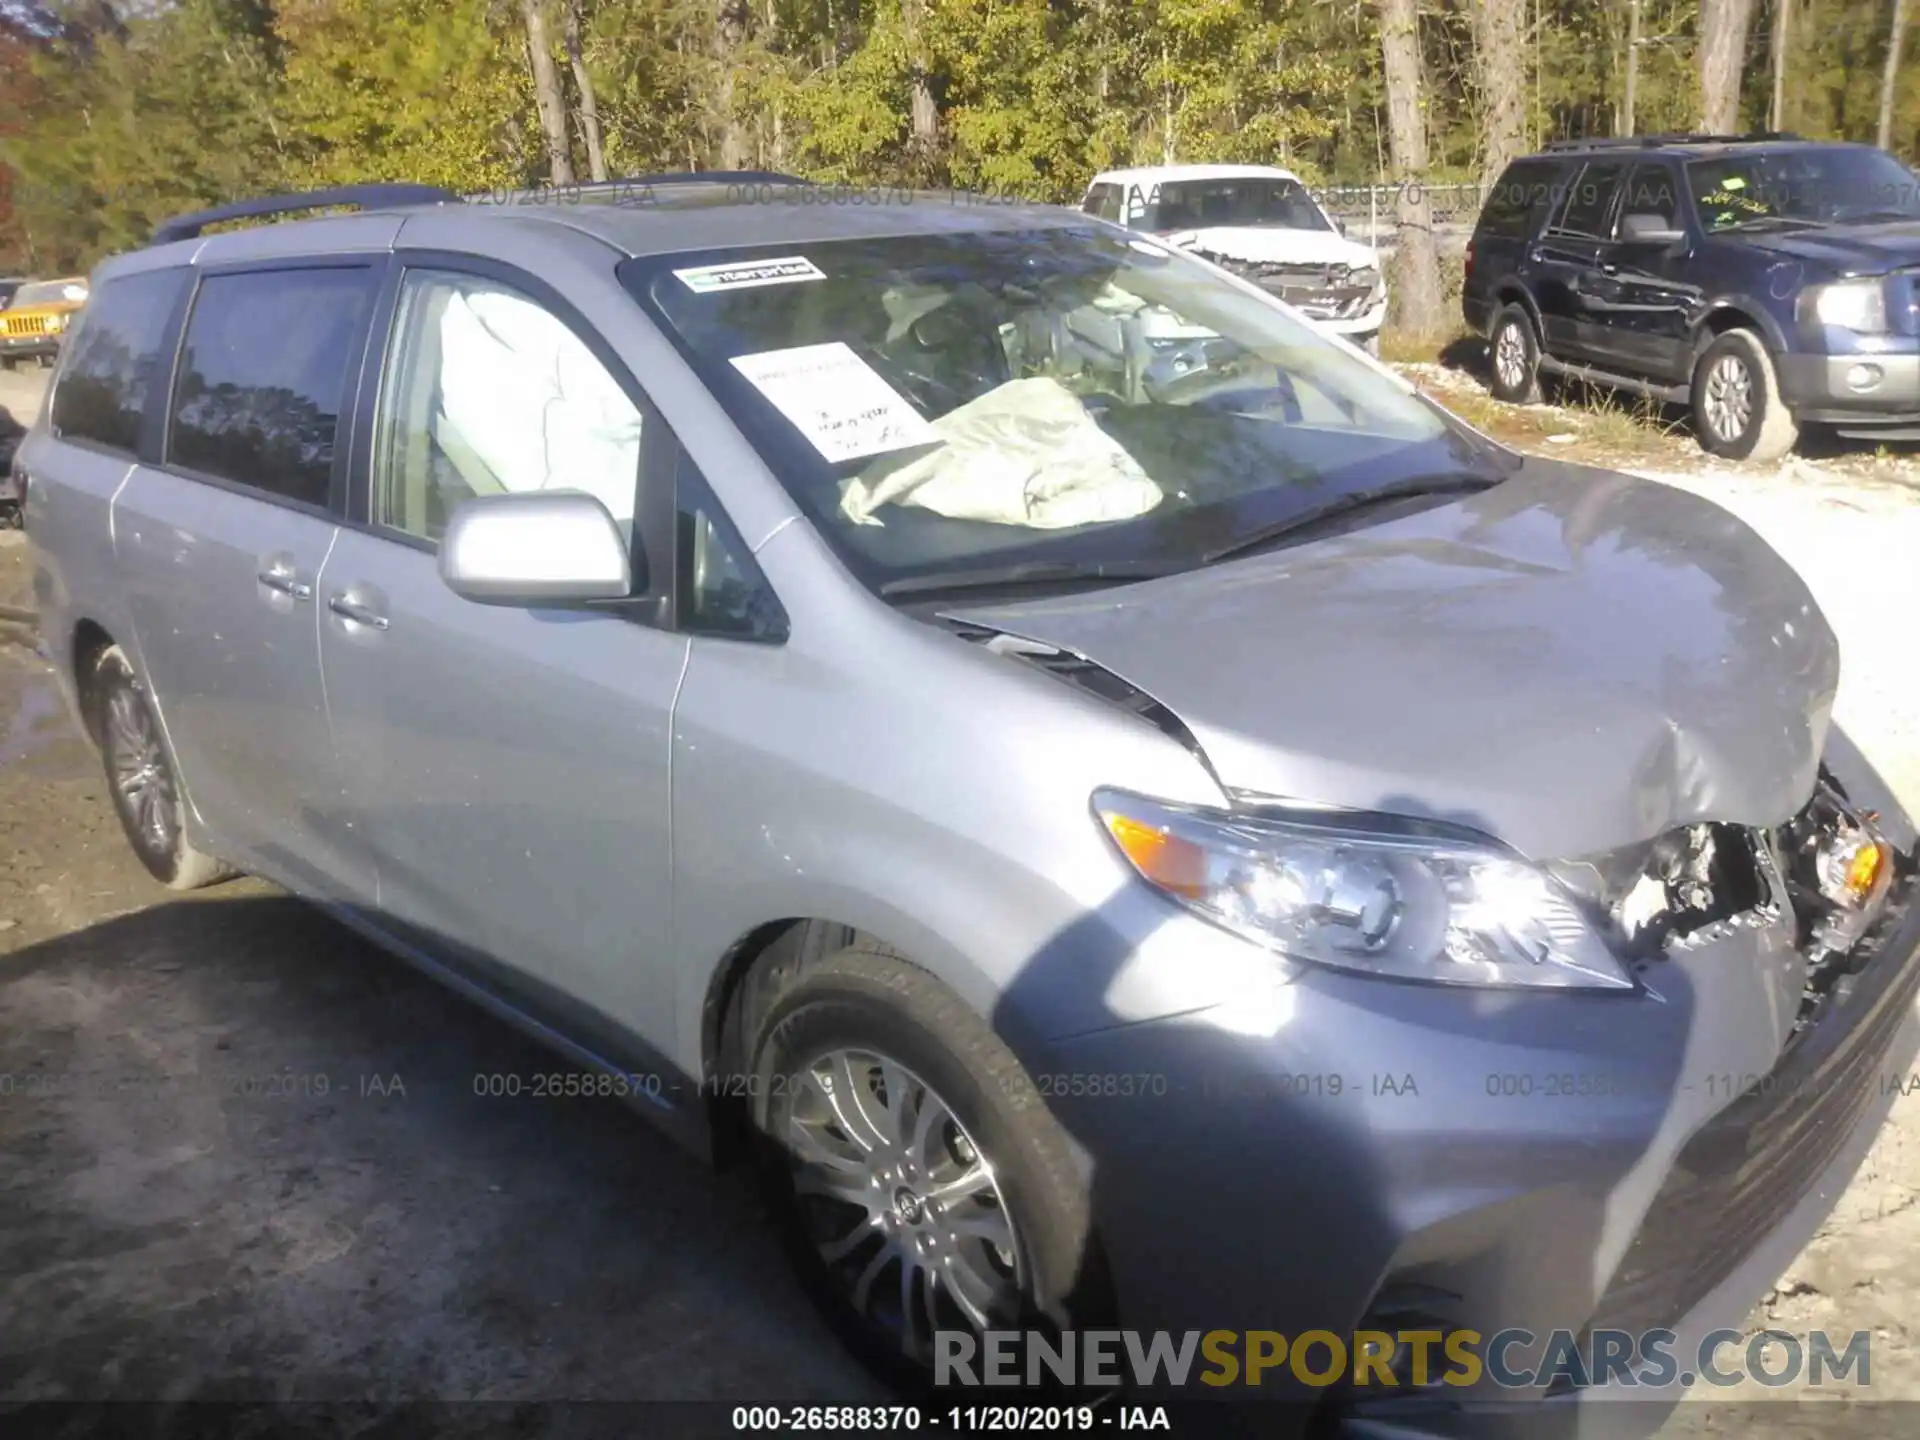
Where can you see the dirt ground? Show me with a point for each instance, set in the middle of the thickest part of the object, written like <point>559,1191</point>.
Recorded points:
<point>245,1159</point>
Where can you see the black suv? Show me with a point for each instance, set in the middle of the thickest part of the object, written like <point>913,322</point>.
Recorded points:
<point>1767,281</point>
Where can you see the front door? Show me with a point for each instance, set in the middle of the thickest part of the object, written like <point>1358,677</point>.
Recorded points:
<point>1655,300</point>
<point>221,545</point>
<point>507,768</point>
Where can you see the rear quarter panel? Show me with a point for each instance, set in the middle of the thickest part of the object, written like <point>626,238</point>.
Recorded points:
<point>69,522</point>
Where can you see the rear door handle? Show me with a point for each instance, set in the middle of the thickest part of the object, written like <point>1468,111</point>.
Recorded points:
<point>279,574</point>
<point>358,611</point>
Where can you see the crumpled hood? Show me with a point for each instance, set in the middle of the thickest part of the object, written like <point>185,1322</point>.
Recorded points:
<point>1275,245</point>
<point>1572,661</point>
<point>1859,249</point>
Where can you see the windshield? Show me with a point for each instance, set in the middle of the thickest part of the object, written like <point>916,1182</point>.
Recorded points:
<point>48,292</point>
<point>1833,185</point>
<point>1246,202</point>
<point>943,402</point>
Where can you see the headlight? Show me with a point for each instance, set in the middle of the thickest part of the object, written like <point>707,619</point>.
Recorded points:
<point>56,322</point>
<point>1406,907</point>
<point>1371,278</point>
<point>1857,305</point>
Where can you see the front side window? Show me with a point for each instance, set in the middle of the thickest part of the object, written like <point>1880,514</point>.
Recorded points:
<point>113,357</point>
<point>1817,185</point>
<point>488,393</point>
<point>1650,192</point>
<point>264,374</point>
<point>1252,202</point>
<point>1059,395</point>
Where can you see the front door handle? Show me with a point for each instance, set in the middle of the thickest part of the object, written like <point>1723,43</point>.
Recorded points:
<point>279,574</point>
<point>358,611</point>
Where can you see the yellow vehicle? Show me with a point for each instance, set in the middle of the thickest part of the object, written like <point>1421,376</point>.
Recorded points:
<point>37,317</point>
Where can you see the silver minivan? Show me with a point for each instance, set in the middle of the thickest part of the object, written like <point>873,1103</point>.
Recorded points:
<point>1134,817</point>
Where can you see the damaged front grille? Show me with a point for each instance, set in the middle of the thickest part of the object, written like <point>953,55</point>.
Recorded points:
<point>1325,291</point>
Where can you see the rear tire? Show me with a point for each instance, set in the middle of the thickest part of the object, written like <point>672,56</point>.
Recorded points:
<point>1737,410</point>
<point>1513,356</point>
<point>142,780</point>
<point>948,1197</point>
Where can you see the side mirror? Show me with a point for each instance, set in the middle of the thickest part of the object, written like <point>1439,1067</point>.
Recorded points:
<point>1340,225</point>
<point>1641,229</point>
<point>542,547</point>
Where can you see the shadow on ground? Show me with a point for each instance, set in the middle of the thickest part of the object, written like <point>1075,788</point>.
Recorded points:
<point>251,1158</point>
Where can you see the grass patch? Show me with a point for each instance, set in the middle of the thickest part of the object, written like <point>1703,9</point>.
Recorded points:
<point>1414,347</point>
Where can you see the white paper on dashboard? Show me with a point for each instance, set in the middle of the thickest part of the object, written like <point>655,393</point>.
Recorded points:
<point>837,400</point>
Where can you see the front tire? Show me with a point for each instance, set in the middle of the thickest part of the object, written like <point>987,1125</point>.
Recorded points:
<point>1513,353</point>
<point>921,1181</point>
<point>1737,410</point>
<point>141,779</point>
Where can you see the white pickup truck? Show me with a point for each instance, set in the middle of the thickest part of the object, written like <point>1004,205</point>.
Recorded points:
<point>1259,222</point>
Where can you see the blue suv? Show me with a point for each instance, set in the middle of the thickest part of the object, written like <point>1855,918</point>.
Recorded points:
<point>1767,282</point>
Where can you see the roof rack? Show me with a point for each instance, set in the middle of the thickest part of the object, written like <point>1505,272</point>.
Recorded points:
<point>1652,142</point>
<point>364,197</point>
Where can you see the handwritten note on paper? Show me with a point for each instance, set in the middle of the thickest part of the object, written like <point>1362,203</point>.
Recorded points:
<point>837,400</point>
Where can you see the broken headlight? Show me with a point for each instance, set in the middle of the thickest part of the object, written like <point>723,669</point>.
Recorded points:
<point>1404,906</point>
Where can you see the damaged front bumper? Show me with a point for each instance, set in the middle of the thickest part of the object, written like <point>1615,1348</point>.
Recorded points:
<point>1384,1157</point>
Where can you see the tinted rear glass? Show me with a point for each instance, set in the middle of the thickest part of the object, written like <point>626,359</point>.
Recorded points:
<point>263,375</point>
<point>1249,202</point>
<point>1590,199</point>
<point>113,357</point>
<point>1519,196</point>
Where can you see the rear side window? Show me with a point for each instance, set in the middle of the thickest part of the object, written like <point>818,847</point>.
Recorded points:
<point>1518,197</point>
<point>263,376</point>
<point>1590,199</point>
<point>114,358</point>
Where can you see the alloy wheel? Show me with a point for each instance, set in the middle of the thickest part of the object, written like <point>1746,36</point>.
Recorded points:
<point>137,764</point>
<point>1510,357</point>
<point>902,1207</point>
<point>1729,398</point>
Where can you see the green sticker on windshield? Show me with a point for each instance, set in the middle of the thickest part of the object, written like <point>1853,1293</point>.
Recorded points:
<point>1733,182</point>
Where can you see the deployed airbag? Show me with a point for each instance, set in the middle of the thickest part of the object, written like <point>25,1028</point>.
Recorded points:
<point>1028,453</point>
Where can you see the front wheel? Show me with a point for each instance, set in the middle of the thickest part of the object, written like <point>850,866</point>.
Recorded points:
<point>924,1187</point>
<point>141,778</point>
<point>1737,409</point>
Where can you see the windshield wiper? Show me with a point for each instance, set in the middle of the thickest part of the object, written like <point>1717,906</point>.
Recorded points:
<point>1453,483</point>
<point>1030,572</point>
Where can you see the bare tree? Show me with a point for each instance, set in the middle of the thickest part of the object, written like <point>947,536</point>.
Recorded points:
<point>1416,259</point>
<point>1723,52</point>
<point>1896,41</point>
<point>1500,67</point>
<point>925,114</point>
<point>733,24</point>
<point>589,114</point>
<point>1782,29</point>
<point>546,93</point>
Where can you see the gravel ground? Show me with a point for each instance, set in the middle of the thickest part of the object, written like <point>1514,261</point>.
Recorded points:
<point>175,1232</point>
